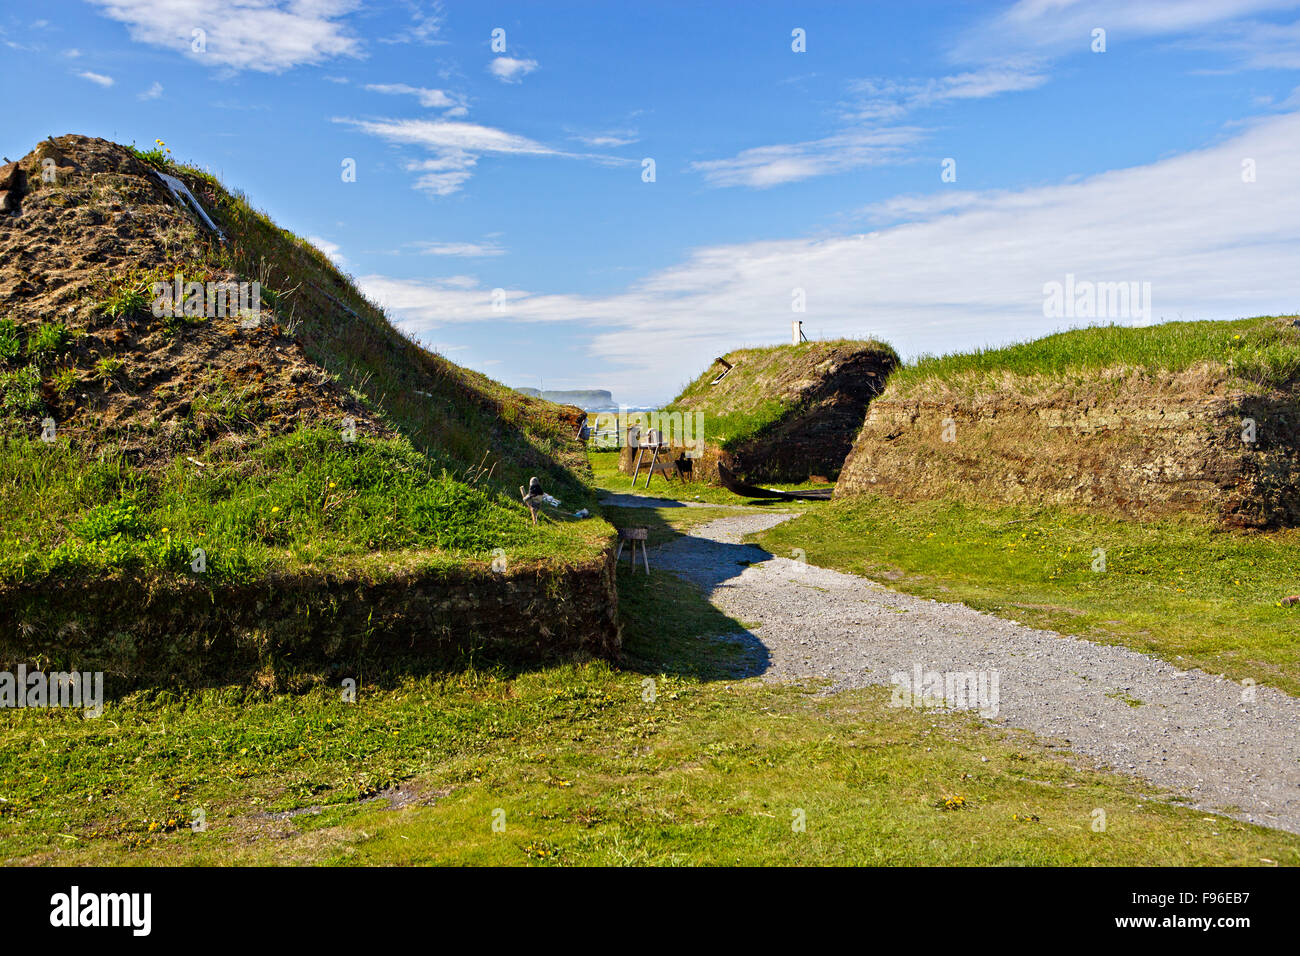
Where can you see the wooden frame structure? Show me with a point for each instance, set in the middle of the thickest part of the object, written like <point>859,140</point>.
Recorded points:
<point>654,444</point>
<point>634,535</point>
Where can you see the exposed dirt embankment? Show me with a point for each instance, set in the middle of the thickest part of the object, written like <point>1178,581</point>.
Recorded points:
<point>181,634</point>
<point>263,338</point>
<point>783,414</point>
<point>87,227</point>
<point>1123,443</point>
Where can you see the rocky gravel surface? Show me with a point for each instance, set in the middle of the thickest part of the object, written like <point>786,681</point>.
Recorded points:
<point>1222,745</point>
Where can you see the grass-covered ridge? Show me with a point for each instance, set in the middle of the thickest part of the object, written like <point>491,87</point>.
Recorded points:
<point>303,500</point>
<point>763,386</point>
<point>1259,353</point>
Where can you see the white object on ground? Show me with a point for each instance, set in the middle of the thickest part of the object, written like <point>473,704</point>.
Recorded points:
<point>182,194</point>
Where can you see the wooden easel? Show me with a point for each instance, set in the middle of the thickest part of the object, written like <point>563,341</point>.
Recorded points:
<point>634,535</point>
<point>655,446</point>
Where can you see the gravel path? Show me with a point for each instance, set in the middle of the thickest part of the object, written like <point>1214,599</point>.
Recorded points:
<point>1188,731</point>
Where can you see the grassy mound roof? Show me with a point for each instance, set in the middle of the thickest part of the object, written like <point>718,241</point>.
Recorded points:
<point>1253,354</point>
<point>766,385</point>
<point>313,433</point>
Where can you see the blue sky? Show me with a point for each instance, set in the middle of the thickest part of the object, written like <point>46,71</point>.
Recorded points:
<point>775,170</point>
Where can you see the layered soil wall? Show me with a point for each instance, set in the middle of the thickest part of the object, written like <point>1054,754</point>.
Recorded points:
<point>1129,447</point>
<point>181,633</point>
<point>824,390</point>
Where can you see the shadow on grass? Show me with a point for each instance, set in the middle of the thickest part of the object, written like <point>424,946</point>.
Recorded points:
<point>669,625</point>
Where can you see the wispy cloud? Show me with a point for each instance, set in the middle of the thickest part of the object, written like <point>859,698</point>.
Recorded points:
<point>98,78</point>
<point>890,99</point>
<point>1253,45</point>
<point>432,98</point>
<point>444,174</point>
<point>155,90</point>
<point>447,134</point>
<point>507,69</point>
<point>456,147</point>
<point>608,139</point>
<point>1055,27</point>
<point>765,166</point>
<point>268,36</point>
<point>470,250</point>
<point>873,131</point>
<point>425,24</point>
<point>964,272</point>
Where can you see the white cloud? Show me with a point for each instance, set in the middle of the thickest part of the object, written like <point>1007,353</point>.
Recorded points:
<point>509,70</point>
<point>99,78</point>
<point>608,139</point>
<point>456,147</point>
<point>969,273</point>
<point>465,249</point>
<point>765,166</point>
<point>445,174</point>
<point>154,91</point>
<point>888,99</point>
<point>268,36</point>
<point>1254,45</point>
<point>433,99</point>
<point>867,140</point>
<point>1055,27</point>
<point>442,134</point>
<point>426,24</point>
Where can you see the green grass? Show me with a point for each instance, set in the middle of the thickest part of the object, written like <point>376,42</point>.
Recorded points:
<point>20,390</point>
<point>301,500</point>
<point>583,763</point>
<point>1261,351</point>
<point>47,340</point>
<point>607,477</point>
<point>126,297</point>
<point>10,341</point>
<point>1184,590</point>
<point>64,379</point>
<point>108,368</point>
<point>159,155</point>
